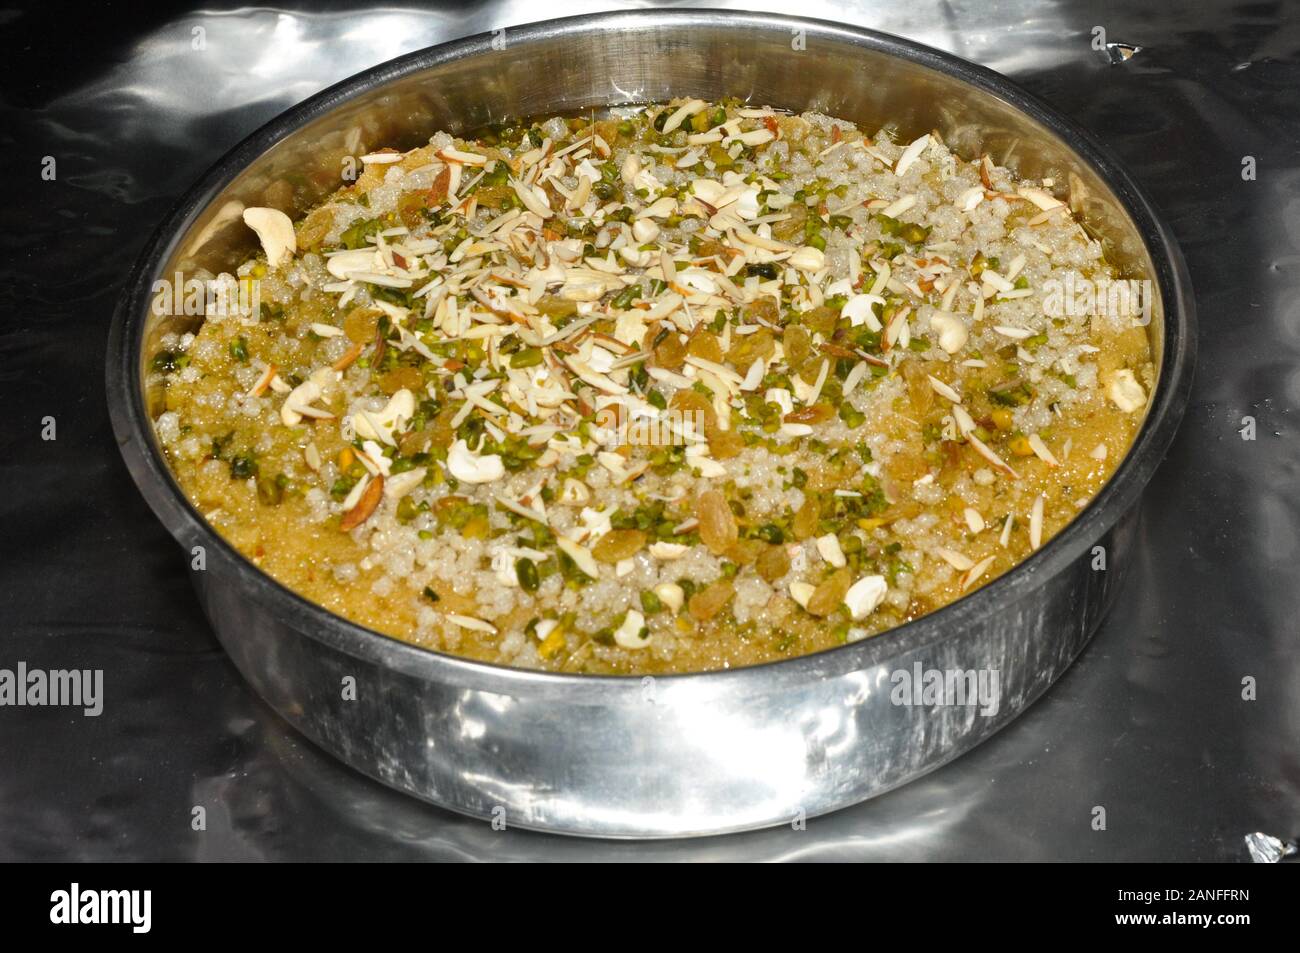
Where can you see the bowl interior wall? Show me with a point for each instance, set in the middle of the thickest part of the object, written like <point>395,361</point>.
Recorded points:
<point>534,72</point>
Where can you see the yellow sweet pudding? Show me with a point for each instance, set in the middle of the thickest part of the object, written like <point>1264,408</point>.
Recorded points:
<point>685,387</point>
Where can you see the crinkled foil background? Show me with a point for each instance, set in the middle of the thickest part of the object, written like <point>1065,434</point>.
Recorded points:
<point>1150,724</point>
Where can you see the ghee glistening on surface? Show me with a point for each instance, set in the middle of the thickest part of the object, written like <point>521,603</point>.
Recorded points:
<point>686,387</point>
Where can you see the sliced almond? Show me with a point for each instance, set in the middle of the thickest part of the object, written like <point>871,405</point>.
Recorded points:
<point>469,622</point>
<point>911,154</point>
<point>464,158</point>
<point>965,423</point>
<point>400,484</point>
<point>958,561</point>
<point>1040,198</point>
<point>983,450</point>
<point>808,259</point>
<point>349,356</point>
<point>1040,450</point>
<point>365,506</point>
<point>944,390</point>
<point>263,382</point>
<point>682,113</point>
<point>975,572</point>
<point>1015,334</point>
<point>580,555</point>
<point>897,208</point>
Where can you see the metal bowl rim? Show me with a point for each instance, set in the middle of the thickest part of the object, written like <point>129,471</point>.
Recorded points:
<point>137,443</point>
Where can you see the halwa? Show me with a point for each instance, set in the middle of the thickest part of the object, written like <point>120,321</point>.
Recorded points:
<point>683,387</point>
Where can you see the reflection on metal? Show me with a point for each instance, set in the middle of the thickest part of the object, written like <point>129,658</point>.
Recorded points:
<point>1267,849</point>
<point>714,752</point>
<point>1121,52</point>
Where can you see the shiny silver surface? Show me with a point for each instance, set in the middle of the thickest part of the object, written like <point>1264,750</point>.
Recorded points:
<point>1149,722</point>
<point>684,755</point>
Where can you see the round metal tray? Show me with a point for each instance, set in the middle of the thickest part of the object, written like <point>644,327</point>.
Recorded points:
<point>689,754</point>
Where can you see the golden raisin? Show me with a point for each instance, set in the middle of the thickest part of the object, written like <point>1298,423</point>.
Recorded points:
<point>747,348</point>
<point>718,529</point>
<point>417,441</point>
<point>711,600</point>
<point>822,319</point>
<point>556,307</point>
<point>705,345</point>
<point>411,207</point>
<point>827,597</point>
<point>790,229</point>
<point>919,390</point>
<point>798,345</point>
<point>313,229</point>
<point>811,370</point>
<point>670,353</point>
<point>687,401</point>
<point>906,467</point>
<point>773,563</point>
<point>618,544</point>
<point>401,377</point>
<point>805,519</point>
<point>763,309</point>
<point>816,414</point>
<point>724,444</point>
<point>744,552</point>
<point>709,248</point>
<point>361,324</point>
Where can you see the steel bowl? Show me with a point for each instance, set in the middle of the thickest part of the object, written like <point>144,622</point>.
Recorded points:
<point>688,754</point>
